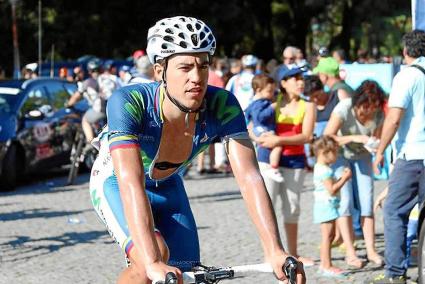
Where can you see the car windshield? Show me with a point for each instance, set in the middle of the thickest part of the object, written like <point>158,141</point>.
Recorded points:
<point>8,98</point>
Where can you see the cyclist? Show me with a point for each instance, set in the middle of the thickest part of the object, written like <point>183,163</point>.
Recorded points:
<point>135,184</point>
<point>91,91</point>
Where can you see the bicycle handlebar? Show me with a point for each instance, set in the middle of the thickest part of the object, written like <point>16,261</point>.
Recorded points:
<point>210,275</point>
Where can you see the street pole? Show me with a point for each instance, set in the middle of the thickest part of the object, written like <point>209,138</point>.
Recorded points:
<point>39,38</point>
<point>52,63</point>
<point>16,61</point>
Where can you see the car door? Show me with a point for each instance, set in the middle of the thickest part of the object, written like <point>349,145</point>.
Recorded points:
<point>63,121</point>
<point>36,130</point>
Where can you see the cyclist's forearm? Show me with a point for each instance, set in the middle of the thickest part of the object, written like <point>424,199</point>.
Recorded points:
<point>140,222</point>
<point>129,171</point>
<point>74,98</point>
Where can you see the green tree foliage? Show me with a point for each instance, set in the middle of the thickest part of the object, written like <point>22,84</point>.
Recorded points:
<point>113,29</point>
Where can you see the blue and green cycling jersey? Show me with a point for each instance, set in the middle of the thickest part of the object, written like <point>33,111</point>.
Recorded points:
<point>135,119</point>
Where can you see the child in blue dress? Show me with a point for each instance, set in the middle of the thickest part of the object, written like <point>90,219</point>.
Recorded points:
<point>326,200</point>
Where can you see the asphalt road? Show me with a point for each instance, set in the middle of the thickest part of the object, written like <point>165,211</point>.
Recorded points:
<point>50,233</point>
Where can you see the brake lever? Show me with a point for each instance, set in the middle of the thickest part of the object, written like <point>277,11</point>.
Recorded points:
<point>290,269</point>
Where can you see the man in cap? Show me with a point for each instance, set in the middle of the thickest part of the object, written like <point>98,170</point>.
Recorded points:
<point>328,71</point>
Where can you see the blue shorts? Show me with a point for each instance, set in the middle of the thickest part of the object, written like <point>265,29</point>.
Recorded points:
<point>358,191</point>
<point>171,211</point>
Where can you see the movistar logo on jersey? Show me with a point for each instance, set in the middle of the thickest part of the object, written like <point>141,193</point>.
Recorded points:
<point>225,113</point>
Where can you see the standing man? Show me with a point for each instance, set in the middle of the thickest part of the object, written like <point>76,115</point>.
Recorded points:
<point>328,71</point>
<point>405,122</point>
<point>289,57</point>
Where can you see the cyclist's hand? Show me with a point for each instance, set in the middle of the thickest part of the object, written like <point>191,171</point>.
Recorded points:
<point>277,262</point>
<point>158,270</point>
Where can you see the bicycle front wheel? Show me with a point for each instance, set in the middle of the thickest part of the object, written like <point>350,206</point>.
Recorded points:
<point>75,162</point>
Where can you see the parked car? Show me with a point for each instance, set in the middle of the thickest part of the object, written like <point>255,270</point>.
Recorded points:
<point>36,130</point>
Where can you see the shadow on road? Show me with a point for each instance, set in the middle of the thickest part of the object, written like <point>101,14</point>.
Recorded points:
<point>53,181</point>
<point>220,196</point>
<point>36,213</point>
<point>22,248</point>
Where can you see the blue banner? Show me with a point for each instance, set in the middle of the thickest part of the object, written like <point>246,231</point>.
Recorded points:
<point>418,14</point>
<point>355,74</point>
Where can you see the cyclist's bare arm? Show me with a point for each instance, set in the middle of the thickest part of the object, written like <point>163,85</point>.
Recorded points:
<point>146,254</point>
<point>74,98</point>
<point>245,168</point>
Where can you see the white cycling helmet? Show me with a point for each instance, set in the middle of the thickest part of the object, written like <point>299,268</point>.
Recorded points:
<point>249,60</point>
<point>179,35</point>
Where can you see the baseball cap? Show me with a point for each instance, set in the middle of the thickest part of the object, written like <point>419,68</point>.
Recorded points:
<point>31,66</point>
<point>249,60</point>
<point>138,53</point>
<point>328,66</point>
<point>286,73</point>
<point>124,68</point>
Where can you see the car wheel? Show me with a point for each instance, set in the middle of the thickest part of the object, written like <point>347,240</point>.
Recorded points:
<point>421,254</point>
<point>8,177</point>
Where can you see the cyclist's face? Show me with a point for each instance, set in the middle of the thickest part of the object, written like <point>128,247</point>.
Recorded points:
<point>187,78</point>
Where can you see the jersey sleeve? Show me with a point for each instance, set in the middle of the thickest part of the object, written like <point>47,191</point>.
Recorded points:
<point>401,92</point>
<point>125,114</point>
<point>230,117</point>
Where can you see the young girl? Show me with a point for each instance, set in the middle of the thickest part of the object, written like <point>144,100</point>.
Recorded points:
<point>262,115</point>
<point>326,200</point>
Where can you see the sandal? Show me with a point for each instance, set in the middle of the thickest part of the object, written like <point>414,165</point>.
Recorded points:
<point>213,171</point>
<point>377,259</point>
<point>332,272</point>
<point>355,262</point>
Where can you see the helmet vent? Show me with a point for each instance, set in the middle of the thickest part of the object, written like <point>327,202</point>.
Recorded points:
<point>164,46</point>
<point>170,31</point>
<point>189,27</point>
<point>194,38</point>
<point>181,35</point>
<point>204,44</point>
<point>198,26</point>
<point>201,35</point>
<point>168,38</point>
<point>183,44</point>
<point>210,37</point>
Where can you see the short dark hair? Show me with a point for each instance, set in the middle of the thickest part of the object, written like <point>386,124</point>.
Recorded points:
<point>414,42</point>
<point>341,53</point>
<point>312,84</point>
<point>369,92</point>
<point>260,81</point>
